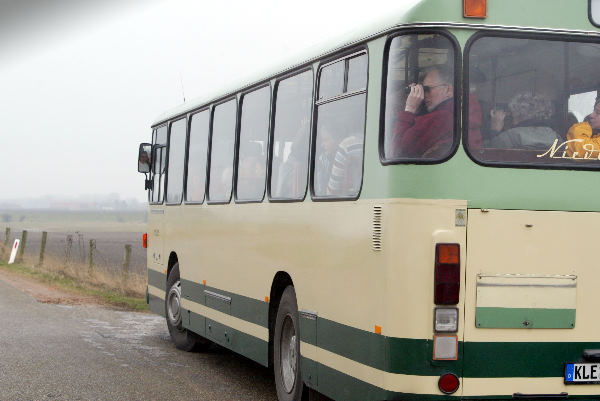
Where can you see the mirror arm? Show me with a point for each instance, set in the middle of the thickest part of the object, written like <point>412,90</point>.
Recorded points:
<point>147,182</point>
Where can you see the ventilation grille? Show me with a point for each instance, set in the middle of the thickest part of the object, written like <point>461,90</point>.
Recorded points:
<point>377,231</point>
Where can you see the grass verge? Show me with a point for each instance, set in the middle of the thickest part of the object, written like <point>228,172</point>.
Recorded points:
<point>104,295</point>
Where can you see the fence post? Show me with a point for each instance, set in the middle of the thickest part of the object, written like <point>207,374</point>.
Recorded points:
<point>22,246</point>
<point>6,240</point>
<point>127,262</point>
<point>68,248</point>
<point>92,251</point>
<point>81,247</point>
<point>43,248</point>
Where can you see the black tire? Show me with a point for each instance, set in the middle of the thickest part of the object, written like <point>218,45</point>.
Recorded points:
<point>286,355</point>
<point>183,339</point>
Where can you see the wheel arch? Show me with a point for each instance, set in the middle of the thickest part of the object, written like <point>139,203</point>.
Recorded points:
<point>281,280</point>
<point>172,260</point>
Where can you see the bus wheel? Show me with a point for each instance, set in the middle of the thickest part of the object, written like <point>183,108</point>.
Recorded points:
<point>184,339</point>
<point>286,348</point>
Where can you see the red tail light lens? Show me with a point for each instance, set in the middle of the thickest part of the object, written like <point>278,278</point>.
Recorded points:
<point>447,274</point>
<point>145,240</point>
<point>448,383</point>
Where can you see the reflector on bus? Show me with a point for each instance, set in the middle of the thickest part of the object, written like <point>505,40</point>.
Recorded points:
<point>448,383</point>
<point>475,8</point>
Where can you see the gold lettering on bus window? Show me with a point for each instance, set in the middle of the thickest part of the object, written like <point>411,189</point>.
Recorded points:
<point>557,151</point>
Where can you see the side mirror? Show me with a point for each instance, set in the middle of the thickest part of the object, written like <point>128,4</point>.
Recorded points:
<point>144,158</point>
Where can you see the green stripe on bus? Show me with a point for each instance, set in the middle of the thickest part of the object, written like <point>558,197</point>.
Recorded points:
<point>530,318</point>
<point>192,291</point>
<point>237,341</point>
<point>414,356</point>
<point>522,359</point>
<point>246,308</point>
<point>157,279</point>
<point>390,354</point>
<point>477,360</point>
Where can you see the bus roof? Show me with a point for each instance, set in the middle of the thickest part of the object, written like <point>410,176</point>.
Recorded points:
<point>561,15</point>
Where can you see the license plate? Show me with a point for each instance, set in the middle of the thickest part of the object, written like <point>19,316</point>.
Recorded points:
<point>582,373</point>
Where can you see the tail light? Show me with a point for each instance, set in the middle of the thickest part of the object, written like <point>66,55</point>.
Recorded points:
<point>447,274</point>
<point>448,383</point>
<point>145,240</point>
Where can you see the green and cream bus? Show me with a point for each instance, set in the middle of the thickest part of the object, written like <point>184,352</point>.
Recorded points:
<point>398,216</point>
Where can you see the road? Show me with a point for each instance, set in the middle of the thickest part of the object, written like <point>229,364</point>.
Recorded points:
<point>89,352</point>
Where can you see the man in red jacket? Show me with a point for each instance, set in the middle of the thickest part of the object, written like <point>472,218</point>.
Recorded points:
<point>428,135</point>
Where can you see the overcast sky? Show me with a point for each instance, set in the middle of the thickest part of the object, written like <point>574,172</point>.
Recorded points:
<point>81,81</point>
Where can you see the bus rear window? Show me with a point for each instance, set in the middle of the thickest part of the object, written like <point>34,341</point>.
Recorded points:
<point>595,12</point>
<point>532,101</point>
<point>420,99</point>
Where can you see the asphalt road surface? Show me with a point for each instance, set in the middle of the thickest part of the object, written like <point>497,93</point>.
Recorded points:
<point>88,352</point>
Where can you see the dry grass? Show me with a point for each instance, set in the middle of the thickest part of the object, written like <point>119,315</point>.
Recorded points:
<point>129,285</point>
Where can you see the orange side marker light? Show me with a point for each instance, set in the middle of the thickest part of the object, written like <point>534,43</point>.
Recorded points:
<point>475,9</point>
<point>204,282</point>
<point>377,329</point>
<point>267,299</point>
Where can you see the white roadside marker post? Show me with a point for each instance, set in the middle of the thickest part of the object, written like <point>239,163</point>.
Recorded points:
<point>13,253</point>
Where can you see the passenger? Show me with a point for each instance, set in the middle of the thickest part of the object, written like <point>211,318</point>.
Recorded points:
<point>291,177</point>
<point>251,172</point>
<point>530,124</point>
<point>324,162</point>
<point>346,172</point>
<point>581,136</point>
<point>430,134</point>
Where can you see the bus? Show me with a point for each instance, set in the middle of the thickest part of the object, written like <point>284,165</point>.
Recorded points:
<point>406,214</point>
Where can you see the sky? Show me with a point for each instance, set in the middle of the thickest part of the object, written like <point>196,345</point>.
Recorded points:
<point>81,81</point>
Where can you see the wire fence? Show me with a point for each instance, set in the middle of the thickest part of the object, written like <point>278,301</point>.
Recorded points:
<point>113,252</point>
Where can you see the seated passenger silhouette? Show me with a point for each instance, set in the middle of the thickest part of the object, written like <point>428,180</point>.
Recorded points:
<point>346,173</point>
<point>582,141</point>
<point>530,124</point>
<point>430,134</point>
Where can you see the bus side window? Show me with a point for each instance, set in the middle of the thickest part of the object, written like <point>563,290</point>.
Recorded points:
<point>289,166</point>
<point>197,156</point>
<point>176,161</point>
<point>221,157</point>
<point>340,131</point>
<point>252,158</point>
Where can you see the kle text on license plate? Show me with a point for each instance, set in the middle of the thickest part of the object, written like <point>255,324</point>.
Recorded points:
<point>582,373</point>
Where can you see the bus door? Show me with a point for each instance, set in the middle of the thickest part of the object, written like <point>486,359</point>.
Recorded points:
<point>156,257</point>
